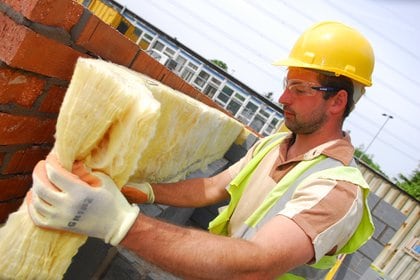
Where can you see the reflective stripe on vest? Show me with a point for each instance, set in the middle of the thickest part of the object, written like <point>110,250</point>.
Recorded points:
<point>319,167</point>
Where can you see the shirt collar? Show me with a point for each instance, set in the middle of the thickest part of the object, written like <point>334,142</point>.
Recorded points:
<point>339,149</point>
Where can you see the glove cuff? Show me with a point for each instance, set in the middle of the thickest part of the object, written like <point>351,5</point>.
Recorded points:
<point>145,188</point>
<point>121,231</point>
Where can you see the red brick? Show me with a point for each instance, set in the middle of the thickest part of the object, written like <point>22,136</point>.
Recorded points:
<point>170,79</point>
<point>9,207</point>
<point>189,90</point>
<point>20,88</point>
<point>25,160</point>
<point>2,154</point>
<point>53,100</point>
<point>147,65</point>
<point>60,13</point>
<point>24,130</point>
<point>15,187</point>
<point>106,42</point>
<point>22,48</point>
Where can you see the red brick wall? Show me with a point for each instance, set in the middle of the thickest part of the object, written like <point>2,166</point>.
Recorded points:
<point>40,43</point>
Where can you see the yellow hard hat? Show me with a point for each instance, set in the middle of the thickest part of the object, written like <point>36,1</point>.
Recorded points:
<point>333,47</point>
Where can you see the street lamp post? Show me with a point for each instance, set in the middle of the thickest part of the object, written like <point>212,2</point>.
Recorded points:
<point>388,117</point>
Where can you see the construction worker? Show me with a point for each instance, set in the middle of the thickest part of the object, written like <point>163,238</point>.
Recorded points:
<point>296,199</point>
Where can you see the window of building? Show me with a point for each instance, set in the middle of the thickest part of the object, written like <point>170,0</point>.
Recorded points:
<point>169,52</point>
<point>138,32</point>
<point>233,106</point>
<point>189,71</point>
<point>158,45</point>
<point>272,126</point>
<point>212,87</point>
<point>258,122</point>
<point>144,42</point>
<point>248,112</point>
<point>201,79</point>
<point>122,27</point>
<point>224,96</point>
<point>180,63</point>
<point>235,103</point>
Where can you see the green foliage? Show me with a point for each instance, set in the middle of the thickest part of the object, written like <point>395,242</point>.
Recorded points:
<point>368,159</point>
<point>411,185</point>
<point>219,63</point>
<point>269,95</point>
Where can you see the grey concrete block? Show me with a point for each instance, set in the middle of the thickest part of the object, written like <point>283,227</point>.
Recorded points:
<point>345,273</point>
<point>379,227</point>
<point>371,249</point>
<point>387,235</point>
<point>201,217</point>
<point>87,260</point>
<point>235,153</point>
<point>176,215</point>
<point>352,261</point>
<point>388,214</point>
<point>121,269</point>
<point>353,266</point>
<point>363,266</point>
<point>250,141</point>
<point>152,210</point>
<point>373,199</point>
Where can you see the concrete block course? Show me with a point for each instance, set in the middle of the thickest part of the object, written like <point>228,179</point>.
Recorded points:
<point>353,266</point>
<point>371,249</point>
<point>386,236</point>
<point>385,212</point>
<point>379,227</point>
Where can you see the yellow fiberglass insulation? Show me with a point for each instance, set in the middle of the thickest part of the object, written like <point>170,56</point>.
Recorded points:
<point>128,126</point>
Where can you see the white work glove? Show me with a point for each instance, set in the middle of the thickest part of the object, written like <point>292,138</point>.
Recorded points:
<point>138,192</point>
<point>86,203</point>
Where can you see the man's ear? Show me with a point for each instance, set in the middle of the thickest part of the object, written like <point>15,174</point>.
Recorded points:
<point>339,102</point>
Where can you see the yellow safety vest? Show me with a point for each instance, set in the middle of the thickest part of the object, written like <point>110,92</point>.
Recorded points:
<point>319,167</point>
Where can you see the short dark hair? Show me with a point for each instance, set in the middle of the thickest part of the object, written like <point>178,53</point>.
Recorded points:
<point>340,83</point>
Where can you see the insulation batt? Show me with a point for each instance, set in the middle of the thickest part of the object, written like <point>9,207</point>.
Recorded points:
<point>128,126</point>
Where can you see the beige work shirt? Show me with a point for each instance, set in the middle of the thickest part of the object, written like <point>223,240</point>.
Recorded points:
<point>327,210</point>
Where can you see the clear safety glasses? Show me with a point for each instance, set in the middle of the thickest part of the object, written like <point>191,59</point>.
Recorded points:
<point>300,87</point>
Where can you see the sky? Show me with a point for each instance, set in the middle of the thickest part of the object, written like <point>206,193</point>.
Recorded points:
<point>248,35</point>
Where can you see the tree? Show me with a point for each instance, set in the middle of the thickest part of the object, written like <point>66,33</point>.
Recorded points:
<point>368,159</point>
<point>269,95</point>
<point>219,63</point>
<point>411,185</point>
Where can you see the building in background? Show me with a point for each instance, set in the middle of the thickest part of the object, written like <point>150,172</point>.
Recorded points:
<point>245,104</point>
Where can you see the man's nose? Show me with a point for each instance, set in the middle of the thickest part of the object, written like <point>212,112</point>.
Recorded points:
<point>285,97</point>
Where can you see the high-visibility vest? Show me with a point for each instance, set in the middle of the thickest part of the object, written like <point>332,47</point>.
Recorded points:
<point>306,170</point>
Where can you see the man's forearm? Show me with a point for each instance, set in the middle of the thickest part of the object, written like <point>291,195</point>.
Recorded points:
<point>195,254</point>
<point>197,192</point>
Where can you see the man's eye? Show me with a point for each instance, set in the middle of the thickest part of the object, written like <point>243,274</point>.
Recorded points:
<point>299,88</point>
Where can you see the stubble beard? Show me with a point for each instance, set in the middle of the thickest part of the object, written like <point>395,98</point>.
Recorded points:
<point>309,125</point>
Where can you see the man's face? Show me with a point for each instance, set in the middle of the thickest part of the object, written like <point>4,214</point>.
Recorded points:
<point>304,108</point>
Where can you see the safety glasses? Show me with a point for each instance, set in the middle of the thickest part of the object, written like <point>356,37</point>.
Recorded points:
<point>304,88</point>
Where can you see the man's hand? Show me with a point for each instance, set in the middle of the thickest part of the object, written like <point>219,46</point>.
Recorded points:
<point>138,192</point>
<point>86,203</point>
